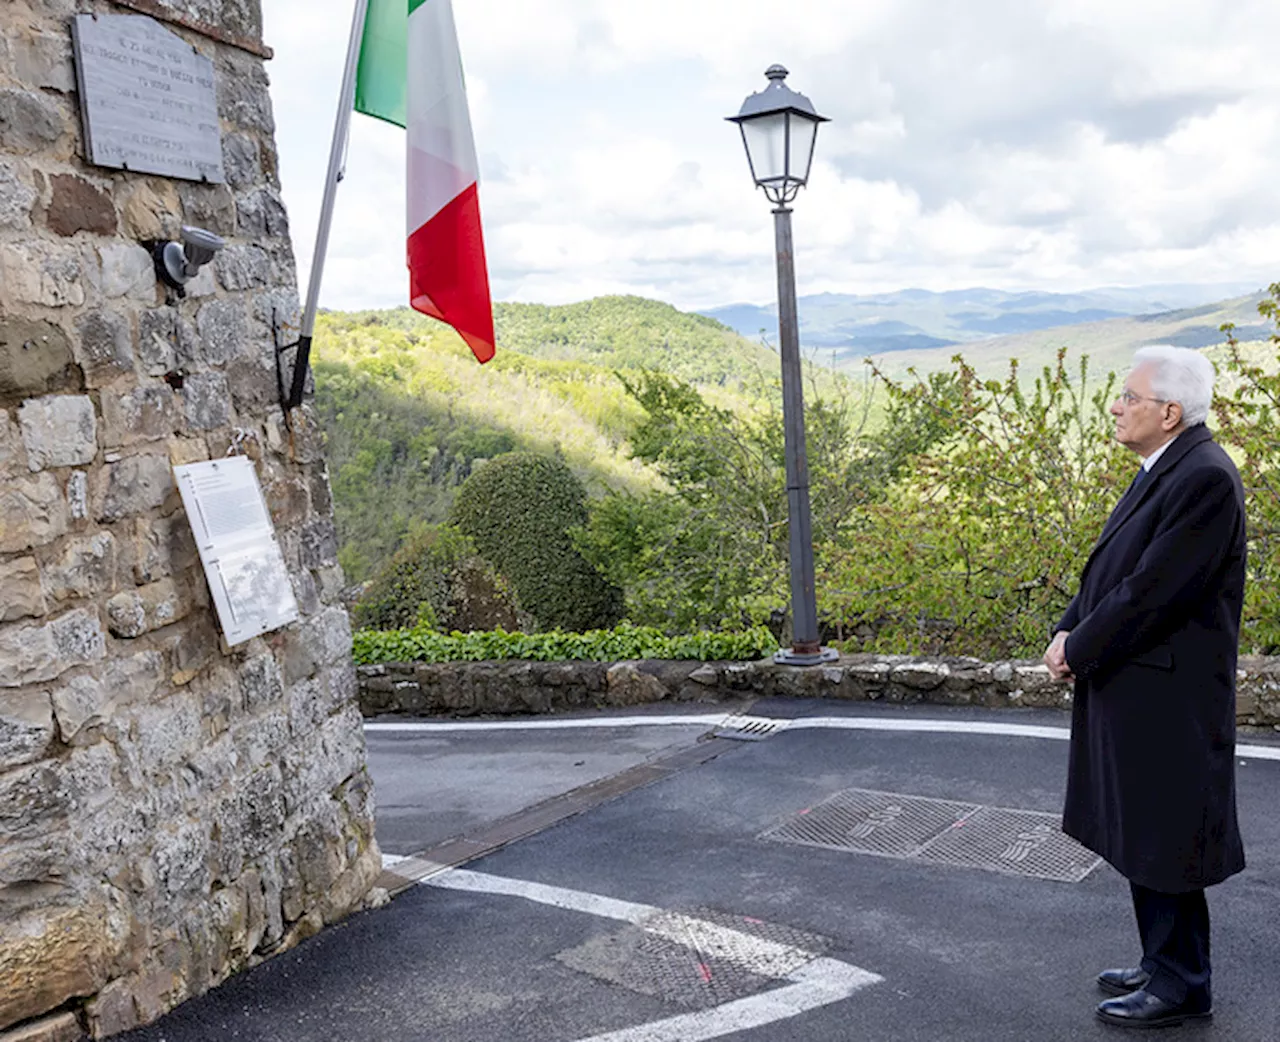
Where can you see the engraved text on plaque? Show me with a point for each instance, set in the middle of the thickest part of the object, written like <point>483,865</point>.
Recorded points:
<point>148,99</point>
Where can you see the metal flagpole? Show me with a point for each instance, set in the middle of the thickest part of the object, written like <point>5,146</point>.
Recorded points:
<point>341,128</point>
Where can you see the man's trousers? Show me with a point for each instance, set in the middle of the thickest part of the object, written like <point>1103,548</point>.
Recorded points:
<point>1175,943</point>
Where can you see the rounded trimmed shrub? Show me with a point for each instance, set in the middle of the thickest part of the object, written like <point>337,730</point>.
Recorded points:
<point>519,509</point>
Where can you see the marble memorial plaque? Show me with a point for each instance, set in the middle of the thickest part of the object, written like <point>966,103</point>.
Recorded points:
<point>147,97</point>
<point>237,543</point>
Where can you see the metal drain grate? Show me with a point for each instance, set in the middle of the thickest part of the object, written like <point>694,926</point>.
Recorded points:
<point>871,822</point>
<point>696,961</point>
<point>1017,842</point>
<point>749,728</point>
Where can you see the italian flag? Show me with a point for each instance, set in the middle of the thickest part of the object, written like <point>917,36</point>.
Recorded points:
<point>410,74</point>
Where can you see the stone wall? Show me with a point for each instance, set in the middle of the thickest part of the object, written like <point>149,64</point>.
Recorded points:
<point>171,809</point>
<point>503,688</point>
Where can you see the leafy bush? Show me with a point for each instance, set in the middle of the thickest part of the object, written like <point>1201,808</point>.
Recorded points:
<point>520,509</point>
<point>1250,418</point>
<point>623,642</point>
<point>978,547</point>
<point>437,581</point>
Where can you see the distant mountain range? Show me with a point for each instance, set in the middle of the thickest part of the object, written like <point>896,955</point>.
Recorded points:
<point>848,327</point>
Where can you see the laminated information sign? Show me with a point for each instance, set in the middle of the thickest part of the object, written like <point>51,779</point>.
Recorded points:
<point>238,548</point>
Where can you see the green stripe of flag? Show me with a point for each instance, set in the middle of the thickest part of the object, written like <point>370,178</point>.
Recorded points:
<point>384,60</point>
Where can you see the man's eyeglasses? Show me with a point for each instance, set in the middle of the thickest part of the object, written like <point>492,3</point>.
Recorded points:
<point>1129,398</point>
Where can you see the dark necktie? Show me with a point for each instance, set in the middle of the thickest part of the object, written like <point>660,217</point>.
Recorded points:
<point>1138,479</point>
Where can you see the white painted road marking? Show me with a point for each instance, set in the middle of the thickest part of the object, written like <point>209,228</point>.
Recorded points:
<point>812,981</point>
<point>823,723</point>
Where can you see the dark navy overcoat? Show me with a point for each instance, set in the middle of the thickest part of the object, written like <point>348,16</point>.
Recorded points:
<point>1154,634</point>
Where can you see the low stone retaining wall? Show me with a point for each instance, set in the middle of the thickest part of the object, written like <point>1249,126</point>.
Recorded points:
<point>519,687</point>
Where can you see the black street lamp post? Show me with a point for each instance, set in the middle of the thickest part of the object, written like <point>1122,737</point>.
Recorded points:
<point>779,128</point>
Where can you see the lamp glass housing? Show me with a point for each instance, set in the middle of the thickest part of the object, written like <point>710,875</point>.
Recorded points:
<point>779,130</point>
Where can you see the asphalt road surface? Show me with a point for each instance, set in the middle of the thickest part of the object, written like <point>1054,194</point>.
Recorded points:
<point>840,879</point>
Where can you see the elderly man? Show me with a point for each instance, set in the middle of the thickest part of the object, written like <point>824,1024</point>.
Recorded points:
<point>1150,641</point>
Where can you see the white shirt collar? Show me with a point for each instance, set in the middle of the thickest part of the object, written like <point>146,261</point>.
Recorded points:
<point>1150,461</point>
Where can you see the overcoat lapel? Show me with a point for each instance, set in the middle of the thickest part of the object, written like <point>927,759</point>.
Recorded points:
<point>1183,444</point>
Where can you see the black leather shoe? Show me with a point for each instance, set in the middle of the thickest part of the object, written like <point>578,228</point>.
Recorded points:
<point>1121,982</point>
<point>1141,1009</point>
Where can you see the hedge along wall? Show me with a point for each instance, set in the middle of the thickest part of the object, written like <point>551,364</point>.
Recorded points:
<point>470,688</point>
<point>171,809</point>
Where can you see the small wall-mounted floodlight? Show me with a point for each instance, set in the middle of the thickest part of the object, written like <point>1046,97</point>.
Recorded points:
<point>177,264</point>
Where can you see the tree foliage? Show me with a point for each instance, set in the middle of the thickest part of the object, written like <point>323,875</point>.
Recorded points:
<point>711,548</point>
<point>520,509</point>
<point>1249,416</point>
<point>978,546</point>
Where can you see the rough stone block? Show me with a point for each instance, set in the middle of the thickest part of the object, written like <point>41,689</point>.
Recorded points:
<point>261,215</point>
<point>158,340</point>
<point>131,613</point>
<point>17,197</point>
<point>325,760</point>
<point>58,431</point>
<point>242,95</point>
<point>78,495</point>
<point>320,641</point>
<point>105,348</point>
<point>148,412</point>
<point>29,122</point>
<point>33,800</point>
<point>49,956</point>
<point>135,485</point>
<point>223,330</point>
<point>26,728</point>
<point>112,1011</point>
<point>157,549</point>
<point>261,682</point>
<point>240,160</point>
<point>38,272</point>
<point>242,267</point>
<point>319,543</point>
<point>629,686</point>
<point>62,1027</point>
<point>77,205</point>
<point>920,676</point>
<point>81,702</point>
<point>23,595</point>
<point>10,445</point>
<point>85,568</point>
<point>151,211</point>
<point>211,207</point>
<point>207,401</point>
<point>182,858</point>
<point>30,654</point>
<point>127,271</point>
<point>252,384</point>
<point>33,512</point>
<point>35,358</point>
<point>44,60</point>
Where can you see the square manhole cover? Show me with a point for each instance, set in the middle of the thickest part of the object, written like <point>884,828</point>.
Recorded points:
<point>870,822</point>
<point>698,960</point>
<point>1017,842</point>
<point>1020,842</point>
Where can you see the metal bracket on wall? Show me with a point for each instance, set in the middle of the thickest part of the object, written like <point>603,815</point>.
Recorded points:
<point>292,398</point>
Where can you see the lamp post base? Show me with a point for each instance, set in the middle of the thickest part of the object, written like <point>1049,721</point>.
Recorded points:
<point>792,657</point>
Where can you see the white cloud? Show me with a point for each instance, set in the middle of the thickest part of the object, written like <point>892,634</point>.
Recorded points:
<point>1062,145</point>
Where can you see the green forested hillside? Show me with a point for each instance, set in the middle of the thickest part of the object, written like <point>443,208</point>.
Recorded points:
<point>408,412</point>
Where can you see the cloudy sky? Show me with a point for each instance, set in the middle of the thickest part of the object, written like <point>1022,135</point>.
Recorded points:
<point>1055,144</point>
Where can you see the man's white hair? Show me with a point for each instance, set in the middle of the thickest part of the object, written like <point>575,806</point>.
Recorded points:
<point>1180,375</point>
